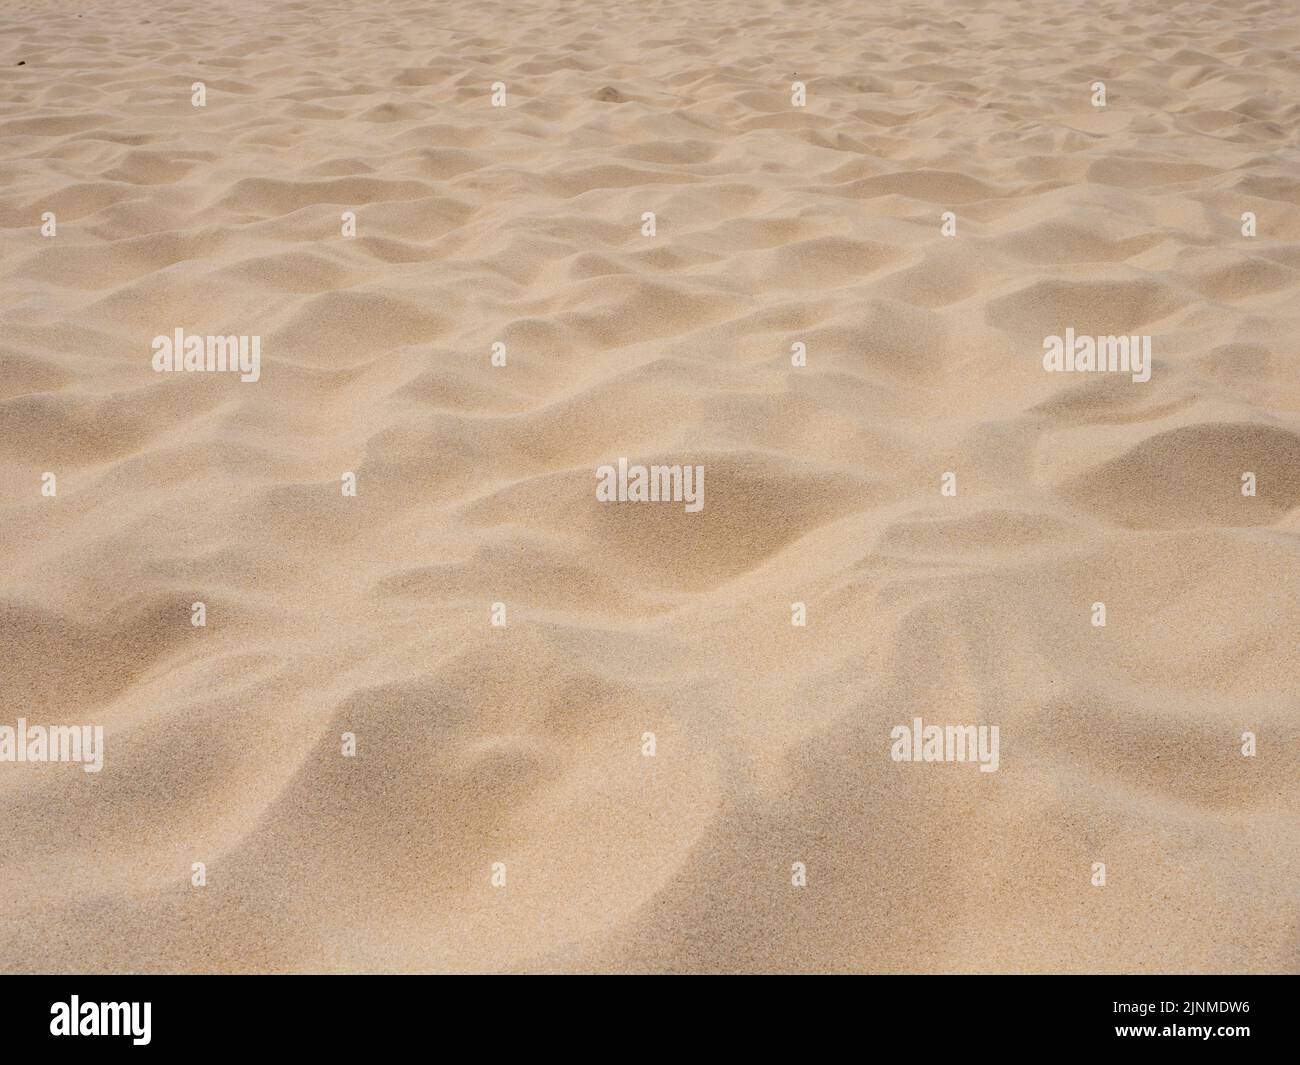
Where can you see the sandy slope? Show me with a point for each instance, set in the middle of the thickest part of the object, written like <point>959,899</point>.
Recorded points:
<point>775,224</point>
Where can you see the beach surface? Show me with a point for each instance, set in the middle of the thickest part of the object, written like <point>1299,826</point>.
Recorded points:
<point>867,219</point>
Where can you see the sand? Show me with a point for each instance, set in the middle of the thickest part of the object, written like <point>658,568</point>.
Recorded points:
<point>501,812</point>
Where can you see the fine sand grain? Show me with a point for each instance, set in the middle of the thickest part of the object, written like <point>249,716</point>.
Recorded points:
<point>775,225</point>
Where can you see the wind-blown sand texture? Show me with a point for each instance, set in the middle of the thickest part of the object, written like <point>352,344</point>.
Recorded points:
<point>775,225</point>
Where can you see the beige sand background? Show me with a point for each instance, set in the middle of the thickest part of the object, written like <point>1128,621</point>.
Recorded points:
<point>775,225</point>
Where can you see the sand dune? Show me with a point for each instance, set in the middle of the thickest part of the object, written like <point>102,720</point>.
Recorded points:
<point>521,229</point>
